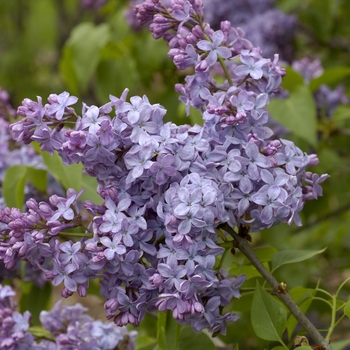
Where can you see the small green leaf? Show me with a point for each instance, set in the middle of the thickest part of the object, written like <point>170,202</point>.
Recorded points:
<point>292,79</point>
<point>340,345</point>
<point>249,270</point>
<point>189,340</point>
<point>70,176</point>
<point>161,330</point>
<point>29,301</point>
<point>269,318</point>
<point>38,178</point>
<point>284,257</point>
<point>143,342</point>
<point>13,186</point>
<point>297,113</point>
<point>40,332</point>
<point>347,309</point>
<point>83,51</point>
<point>341,113</point>
<point>331,75</point>
<point>236,347</point>
<point>89,184</point>
<point>264,254</point>
<point>279,348</point>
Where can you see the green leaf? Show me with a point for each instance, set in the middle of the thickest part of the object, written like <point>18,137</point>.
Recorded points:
<point>189,340</point>
<point>161,330</point>
<point>70,176</point>
<point>279,348</point>
<point>30,301</point>
<point>269,318</point>
<point>249,270</point>
<point>143,342</point>
<point>13,186</point>
<point>329,76</point>
<point>83,51</point>
<point>284,257</point>
<point>347,309</point>
<point>297,113</point>
<point>236,347</point>
<point>168,331</point>
<point>341,113</point>
<point>89,184</point>
<point>292,79</point>
<point>40,332</point>
<point>38,178</point>
<point>264,254</point>
<point>340,345</point>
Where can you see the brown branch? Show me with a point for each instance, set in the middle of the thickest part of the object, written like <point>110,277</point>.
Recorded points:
<point>244,247</point>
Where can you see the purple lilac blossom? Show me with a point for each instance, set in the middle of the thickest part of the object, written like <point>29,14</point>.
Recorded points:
<point>265,26</point>
<point>67,327</point>
<point>167,189</point>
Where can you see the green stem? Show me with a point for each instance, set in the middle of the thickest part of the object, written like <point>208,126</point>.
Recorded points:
<point>333,321</point>
<point>74,234</point>
<point>224,68</point>
<point>334,310</point>
<point>325,292</point>
<point>324,300</point>
<point>341,286</point>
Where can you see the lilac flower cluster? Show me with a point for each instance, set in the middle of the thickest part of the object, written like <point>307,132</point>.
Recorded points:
<point>14,326</point>
<point>265,26</point>
<point>169,191</point>
<point>9,156</point>
<point>67,327</point>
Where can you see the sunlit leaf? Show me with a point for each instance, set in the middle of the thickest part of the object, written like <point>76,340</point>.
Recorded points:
<point>292,79</point>
<point>13,186</point>
<point>38,178</point>
<point>83,50</point>
<point>144,343</point>
<point>297,113</point>
<point>269,317</point>
<point>284,257</point>
<point>30,301</point>
<point>340,345</point>
<point>190,340</point>
<point>70,176</point>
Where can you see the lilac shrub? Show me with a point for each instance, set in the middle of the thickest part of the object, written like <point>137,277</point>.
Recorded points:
<point>67,327</point>
<point>171,194</point>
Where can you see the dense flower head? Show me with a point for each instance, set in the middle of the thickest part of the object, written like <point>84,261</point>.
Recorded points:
<point>168,191</point>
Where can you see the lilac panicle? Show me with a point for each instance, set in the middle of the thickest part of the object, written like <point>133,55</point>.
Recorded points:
<point>166,189</point>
